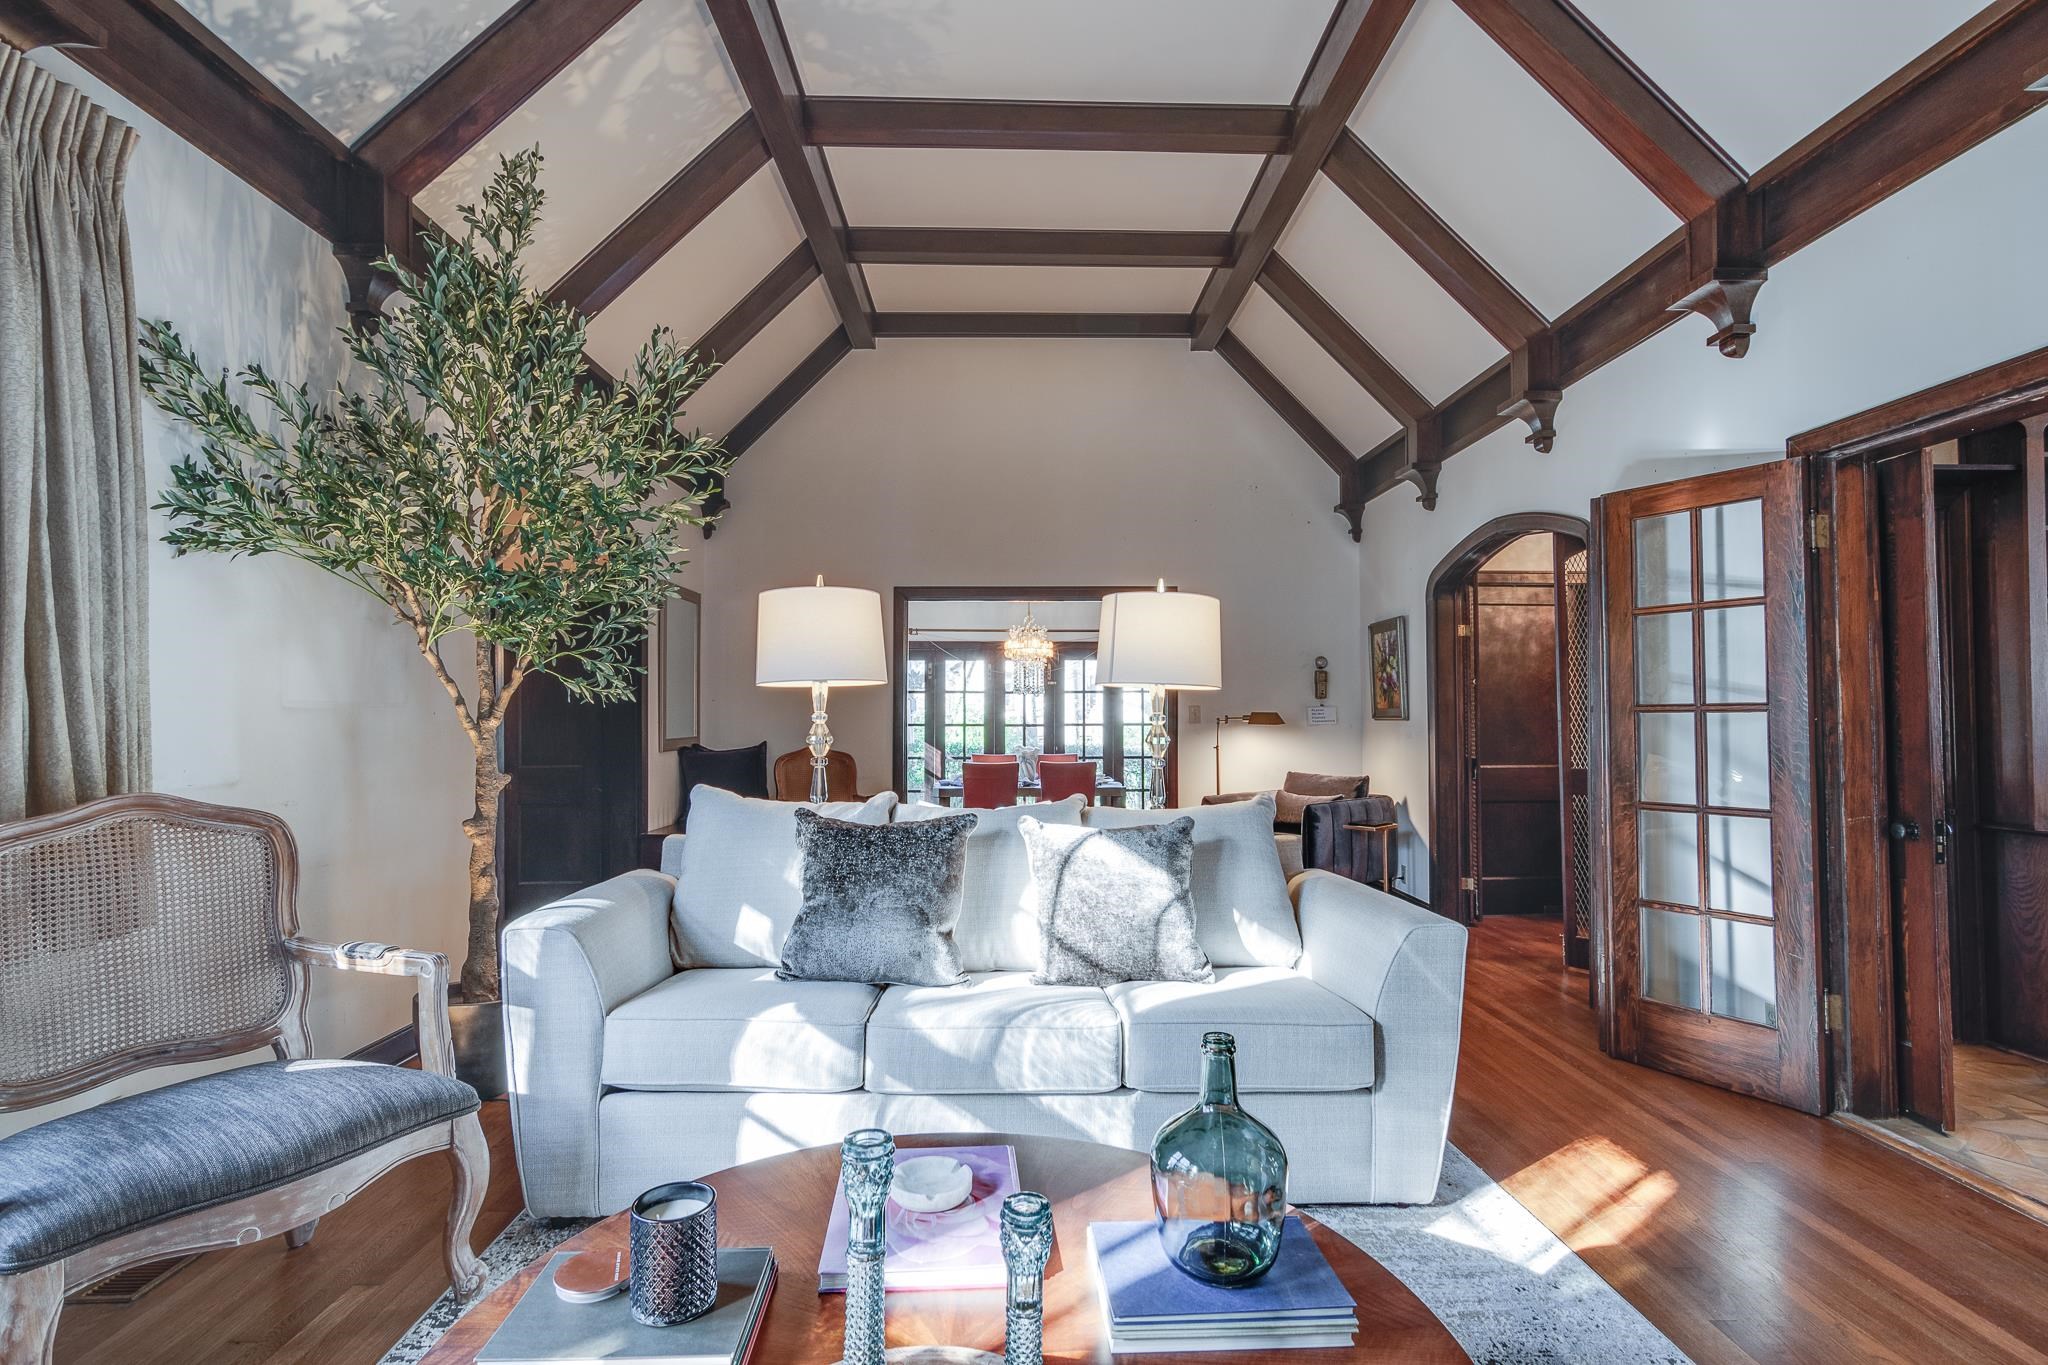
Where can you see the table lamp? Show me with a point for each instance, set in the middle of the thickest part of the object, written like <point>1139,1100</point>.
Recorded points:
<point>1248,718</point>
<point>820,638</point>
<point>1160,640</point>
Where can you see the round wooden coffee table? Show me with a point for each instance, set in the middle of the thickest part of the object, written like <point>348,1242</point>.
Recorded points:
<point>782,1202</point>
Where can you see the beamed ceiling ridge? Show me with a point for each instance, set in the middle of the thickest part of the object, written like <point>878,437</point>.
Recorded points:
<point>1732,225</point>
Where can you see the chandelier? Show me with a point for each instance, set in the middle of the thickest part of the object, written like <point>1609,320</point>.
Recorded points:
<point>1030,649</point>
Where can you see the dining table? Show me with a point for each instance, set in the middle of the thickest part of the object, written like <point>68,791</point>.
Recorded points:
<point>946,791</point>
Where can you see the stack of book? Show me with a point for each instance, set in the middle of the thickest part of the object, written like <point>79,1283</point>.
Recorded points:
<point>956,1248</point>
<point>1151,1306</point>
<point>545,1329</point>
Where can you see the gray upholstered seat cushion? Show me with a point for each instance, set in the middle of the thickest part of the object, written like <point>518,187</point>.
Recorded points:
<point>82,1178</point>
<point>738,1028</point>
<point>1292,1034</point>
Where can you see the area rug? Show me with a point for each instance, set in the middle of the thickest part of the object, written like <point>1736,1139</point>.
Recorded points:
<point>1505,1286</point>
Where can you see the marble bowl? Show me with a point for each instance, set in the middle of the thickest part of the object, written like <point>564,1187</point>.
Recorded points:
<point>931,1184</point>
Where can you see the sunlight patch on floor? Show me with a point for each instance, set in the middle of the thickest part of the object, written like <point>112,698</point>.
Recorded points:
<point>1593,1192</point>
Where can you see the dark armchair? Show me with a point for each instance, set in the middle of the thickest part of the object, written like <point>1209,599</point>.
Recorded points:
<point>1325,842</point>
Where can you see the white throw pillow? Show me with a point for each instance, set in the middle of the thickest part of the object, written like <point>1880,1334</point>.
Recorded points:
<point>1242,914</point>
<point>742,880</point>
<point>998,927</point>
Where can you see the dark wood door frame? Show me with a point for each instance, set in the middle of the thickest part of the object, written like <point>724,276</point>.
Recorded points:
<point>1450,837</point>
<point>1852,791</point>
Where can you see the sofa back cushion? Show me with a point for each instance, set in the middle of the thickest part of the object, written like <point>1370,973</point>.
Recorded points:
<point>741,886</point>
<point>1242,914</point>
<point>998,926</point>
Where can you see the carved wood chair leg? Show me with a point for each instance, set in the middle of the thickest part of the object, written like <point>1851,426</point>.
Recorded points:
<point>29,1304</point>
<point>469,1157</point>
<point>300,1235</point>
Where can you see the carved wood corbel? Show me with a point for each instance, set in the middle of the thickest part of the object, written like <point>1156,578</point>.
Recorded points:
<point>380,221</point>
<point>1425,460</point>
<point>1351,498</point>
<point>1726,245</point>
<point>1535,389</point>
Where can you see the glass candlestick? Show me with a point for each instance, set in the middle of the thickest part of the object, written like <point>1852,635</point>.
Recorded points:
<point>1027,1242</point>
<point>867,1167</point>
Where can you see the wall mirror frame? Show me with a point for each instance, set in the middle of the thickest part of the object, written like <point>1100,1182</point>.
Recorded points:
<point>678,640</point>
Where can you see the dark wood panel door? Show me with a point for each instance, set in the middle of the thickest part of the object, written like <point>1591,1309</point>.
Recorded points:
<point>1514,762</point>
<point>1713,950</point>
<point>1918,763</point>
<point>576,804</point>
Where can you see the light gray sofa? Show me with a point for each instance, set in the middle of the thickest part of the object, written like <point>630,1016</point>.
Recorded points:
<point>627,1071</point>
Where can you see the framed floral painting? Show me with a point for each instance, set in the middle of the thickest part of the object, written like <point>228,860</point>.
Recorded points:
<point>1389,680</point>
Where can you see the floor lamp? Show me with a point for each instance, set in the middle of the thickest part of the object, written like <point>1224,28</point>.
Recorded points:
<point>820,638</point>
<point>1248,718</point>
<point>1160,640</point>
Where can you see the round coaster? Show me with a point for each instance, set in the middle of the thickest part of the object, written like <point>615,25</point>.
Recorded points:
<point>592,1276</point>
<point>938,1355</point>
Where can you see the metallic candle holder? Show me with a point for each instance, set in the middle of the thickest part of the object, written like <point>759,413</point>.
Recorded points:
<point>867,1167</point>
<point>675,1258</point>
<point>1027,1243</point>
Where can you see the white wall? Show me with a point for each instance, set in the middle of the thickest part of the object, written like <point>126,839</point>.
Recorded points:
<point>1041,463</point>
<point>272,685</point>
<point>1941,279</point>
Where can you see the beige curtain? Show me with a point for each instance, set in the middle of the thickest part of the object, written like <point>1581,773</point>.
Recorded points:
<point>74,665</point>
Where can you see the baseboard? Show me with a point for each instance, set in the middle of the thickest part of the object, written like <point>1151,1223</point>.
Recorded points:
<point>396,1048</point>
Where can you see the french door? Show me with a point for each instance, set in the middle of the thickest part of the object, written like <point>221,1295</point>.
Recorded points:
<point>1713,946</point>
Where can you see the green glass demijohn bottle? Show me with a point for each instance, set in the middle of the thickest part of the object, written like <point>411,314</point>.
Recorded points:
<point>1219,1180</point>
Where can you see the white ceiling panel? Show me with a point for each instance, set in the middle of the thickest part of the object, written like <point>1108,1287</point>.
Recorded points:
<point>1432,341</point>
<point>766,361</point>
<point>1498,159</point>
<point>347,62</point>
<point>1300,362</point>
<point>613,126</point>
<point>1033,288</point>
<point>703,275</point>
<point>1223,51</point>
<point>953,187</point>
<point>1759,75</point>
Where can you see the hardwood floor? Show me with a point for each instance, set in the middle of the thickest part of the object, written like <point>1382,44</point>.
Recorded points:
<point>2001,1133</point>
<point>1746,1232</point>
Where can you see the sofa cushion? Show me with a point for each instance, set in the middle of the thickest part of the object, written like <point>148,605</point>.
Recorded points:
<point>743,771</point>
<point>1324,784</point>
<point>1291,1033</point>
<point>739,1028</point>
<point>79,1179</point>
<point>997,1034</point>
<point>880,901</point>
<point>742,877</point>
<point>1242,913</point>
<point>1115,904</point>
<point>998,928</point>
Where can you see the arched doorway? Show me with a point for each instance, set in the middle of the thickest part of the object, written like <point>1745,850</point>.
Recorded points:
<point>1509,722</point>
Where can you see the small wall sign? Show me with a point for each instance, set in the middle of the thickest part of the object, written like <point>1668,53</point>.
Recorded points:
<point>1322,715</point>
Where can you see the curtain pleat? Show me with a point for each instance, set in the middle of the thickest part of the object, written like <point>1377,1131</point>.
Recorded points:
<point>74,573</point>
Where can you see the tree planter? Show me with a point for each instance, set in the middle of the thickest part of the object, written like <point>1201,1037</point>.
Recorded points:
<point>479,1034</point>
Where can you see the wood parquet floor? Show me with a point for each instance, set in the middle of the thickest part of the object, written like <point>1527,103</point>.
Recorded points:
<point>1746,1232</point>
<point>2001,1132</point>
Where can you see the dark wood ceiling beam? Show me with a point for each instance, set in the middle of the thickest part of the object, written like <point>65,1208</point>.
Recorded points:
<point>767,74</point>
<point>1047,125</point>
<point>685,201</point>
<point>1301,421</point>
<point>1431,243</point>
<point>1032,325</point>
<point>479,87</point>
<point>1371,370</point>
<point>1035,246</point>
<point>183,76</point>
<point>1354,45</point>
<point>1613,99</point>
<point>1961,91</point>
<point>745,319</point>
<point>772,409</point>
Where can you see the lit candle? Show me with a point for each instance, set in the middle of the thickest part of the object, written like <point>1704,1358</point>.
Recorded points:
<point>668,1210</point>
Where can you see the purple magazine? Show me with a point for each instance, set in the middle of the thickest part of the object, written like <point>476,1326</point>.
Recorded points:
<point>956,1249</point>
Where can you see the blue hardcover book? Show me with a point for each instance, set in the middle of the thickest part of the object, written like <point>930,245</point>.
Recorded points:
<point>1143,1288</point>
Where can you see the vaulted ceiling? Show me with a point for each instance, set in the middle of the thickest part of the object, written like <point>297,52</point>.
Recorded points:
<point>1403,222</point>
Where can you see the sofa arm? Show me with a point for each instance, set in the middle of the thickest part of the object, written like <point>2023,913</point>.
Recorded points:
<point>566,966</point>
<point>1404,966</point>
<point>1227,798</point>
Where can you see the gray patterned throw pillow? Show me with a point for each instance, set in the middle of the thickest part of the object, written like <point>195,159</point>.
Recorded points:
<point>880,902</point>
<point>1115,904</point>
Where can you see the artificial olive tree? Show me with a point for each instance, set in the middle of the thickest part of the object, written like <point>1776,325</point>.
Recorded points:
<point>470,475</point>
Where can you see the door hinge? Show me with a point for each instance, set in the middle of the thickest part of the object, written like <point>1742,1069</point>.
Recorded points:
<point>1833,1001</point>
<point>1467,884</point>
<point>1817,534</point>
<point>1464,630</point>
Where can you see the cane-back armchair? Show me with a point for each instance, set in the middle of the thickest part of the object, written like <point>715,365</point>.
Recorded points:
<point>142,931</point>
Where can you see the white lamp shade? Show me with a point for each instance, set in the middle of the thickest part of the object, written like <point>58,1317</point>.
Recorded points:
<point>1161,639</point>
<point>820,635</point>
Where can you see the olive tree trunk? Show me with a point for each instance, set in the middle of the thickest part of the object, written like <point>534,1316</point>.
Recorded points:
<point>480,961</point>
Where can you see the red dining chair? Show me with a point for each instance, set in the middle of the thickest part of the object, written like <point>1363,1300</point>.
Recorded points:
<point>1058,781</point>
<point>991,758</point>
<point>985,786</point>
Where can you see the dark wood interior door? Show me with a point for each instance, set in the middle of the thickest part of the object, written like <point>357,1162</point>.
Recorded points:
<point>1713,949</point>
<point>575,807</point>
<point>1514,760</point>
<point>1918,765</point>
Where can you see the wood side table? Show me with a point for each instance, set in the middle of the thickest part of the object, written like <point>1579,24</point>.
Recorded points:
<point>1386,833</point>
<point>782,1202</point>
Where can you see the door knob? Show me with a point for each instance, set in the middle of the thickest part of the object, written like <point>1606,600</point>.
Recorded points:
<point>1905,829</point>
